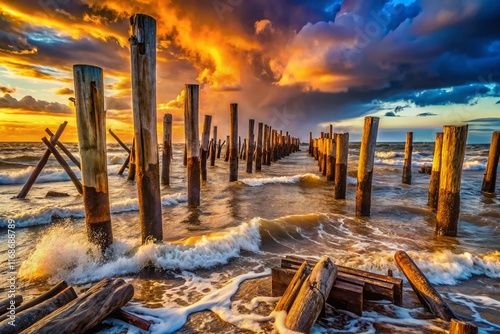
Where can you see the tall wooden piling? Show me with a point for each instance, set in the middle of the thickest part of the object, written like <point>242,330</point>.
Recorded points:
<point>250,144</point>
<point>132,170</point>
<point>233,143</point>
<point>331,158</point>
<point>365,167</point>
<point>341,156</point>
<point>143,60</point>
<point>43,161</point>
<point>325,155</point>
<point>205,138</point>
<point>490,176</point>
<point>258,157</point>
<point>408,152</point>
<point>91,123</point>
<point>228,141</point>
<point>214,148</point>
<point>432,197</point>
<point>191,106</point>
<point>219,148</point>
<point>448,210</point>
<point>167,149</point>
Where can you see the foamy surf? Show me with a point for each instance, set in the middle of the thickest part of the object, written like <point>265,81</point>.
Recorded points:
<point>77,261</point>
<point>257,182</point>
<point>46,214</point>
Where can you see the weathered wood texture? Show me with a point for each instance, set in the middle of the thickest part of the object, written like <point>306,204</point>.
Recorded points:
<point>167,149</point>
<point>490,176</point>
<point>43,161</point>
<point>424,290</point>
<point>131,319</point>
<point>205,138</point>
<point>143,59</point>
<point>132,166</point>
<point>64,165</point>
<point>250,145</point>
<point>311,297</point>
<point>433,194</point>
<point>228,148</point>
<point>406,179</point>
<point>342,153</point>
<point>91,124</point>
<point>462,327</point>
<point>191,111</point>
<point>293,288</point>
<point>233,143</point>
<point>6,303</point>
<point>30,316</point>
<point>365,166</point>
<point>65,150</point>
<point>258,152</point>
<point>376,286</point>
<point>448,211</point>
<point>331,159</point>
<point>86,311</point>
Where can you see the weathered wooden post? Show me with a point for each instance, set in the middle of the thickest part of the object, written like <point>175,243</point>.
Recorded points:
<point>330,163</point>
<point>91,123</point>
<point>265,144</point>
<point>205,138</point>
<point>258,158</point>
<point>408,152</point>
<point>315,148</point>
<point>185,158</point>
<point>325,155</point>
<point>143,59</point>
<point>342,153</point>
<point>219,148</point>
<point>454,141</point>
<point>233,143</point>
<point>243,150</point>
<point>490,176</point>
<point>365,167</point>
<point>132,170</point>
<point>311,144</point>
<point>43,161</point>
<point>228,141</point>
<point>432,197</point>
<point>250,144</point>
<point>167,149</point>
<point>214,148</point>
<point>191,105</point>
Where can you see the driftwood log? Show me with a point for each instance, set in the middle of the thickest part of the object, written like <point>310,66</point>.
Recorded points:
<point>293,288</point>
<point>425,292</point>
<point>131,319</point>
<point>311,297</point>
<point>5,303</point>
<point>88,310</point>
<point>462,327</point>
<point>30,316</point>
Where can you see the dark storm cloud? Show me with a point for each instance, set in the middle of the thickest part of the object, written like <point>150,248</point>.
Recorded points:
<point>498,102</point>
<point>31,104</point>
<point>390,114</point>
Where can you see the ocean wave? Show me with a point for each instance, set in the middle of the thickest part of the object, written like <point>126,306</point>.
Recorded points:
<point>47,175</point>
<point>76,260</point>
<point>474,165</point>
<point>388,155</point>
<point>257,182</point>
<point>46,214</point>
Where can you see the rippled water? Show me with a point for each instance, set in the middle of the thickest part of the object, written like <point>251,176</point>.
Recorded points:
<point>242,228</point>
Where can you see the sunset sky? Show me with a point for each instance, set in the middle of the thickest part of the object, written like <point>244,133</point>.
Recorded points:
<point>296,65</point>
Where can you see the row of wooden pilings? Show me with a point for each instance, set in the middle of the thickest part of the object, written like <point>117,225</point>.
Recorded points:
<point>143,158</point>
<point>331,151</point>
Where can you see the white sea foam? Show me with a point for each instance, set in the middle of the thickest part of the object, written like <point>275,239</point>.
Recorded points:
<point>47,175</point>
<point>388,155</point>
<point>76,260</point>
<point>45,214</point>
<point>280,179</point>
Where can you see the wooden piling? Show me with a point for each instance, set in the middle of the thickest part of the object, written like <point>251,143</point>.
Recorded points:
<point>91,123</point>
<point>64,165</point>
<point>191,105</point>
<point>258,155</point>
<point>250,144</point>
<point>185,158</point>
<point>226,156</point>
<point>331,159</point>
<point>143,59</point>
<point>205,138</point>
<point>341,156</point>
<point>233,143</point>
<point>490,176</point>
<point>219,148</point>
<point>408,152</point>
<point>325,155</point>
<point>432,197</point>
<point>43,161</point>
<point>65,150</point>
<point>454,141</point>
<point>214,148</point>
<point>365,167</point>
<point>462,327</point>
<point>167,149</point>
<point>132,166</point>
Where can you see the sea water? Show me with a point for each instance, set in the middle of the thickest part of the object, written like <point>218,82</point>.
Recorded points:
<point>242,229</point>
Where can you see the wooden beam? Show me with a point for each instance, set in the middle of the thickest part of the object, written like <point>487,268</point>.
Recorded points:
<point>205,139</point>
<point>365,166</point>
<point>167,149</point>
<point>406,179</point>
<point>119,141</point>
<point>65,150</point>
<point>191,105</point>
<point>233,143</point>
<point>433,194</point>
<point>490,176</point>
<point>250,145</point>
